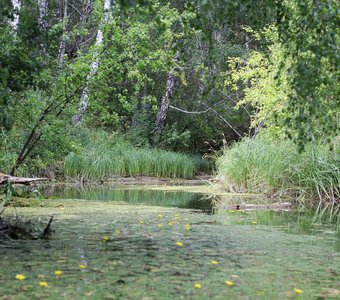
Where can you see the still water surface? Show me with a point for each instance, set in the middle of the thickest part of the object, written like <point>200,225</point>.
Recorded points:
<point>142,244</point>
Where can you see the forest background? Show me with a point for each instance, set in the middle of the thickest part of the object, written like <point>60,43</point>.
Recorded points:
<point>90,89</point>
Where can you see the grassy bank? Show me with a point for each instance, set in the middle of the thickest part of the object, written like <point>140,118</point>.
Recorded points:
<point>276,167</point>
<point>107,159</point>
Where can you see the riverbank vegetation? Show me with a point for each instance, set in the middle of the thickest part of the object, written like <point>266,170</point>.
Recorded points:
<point>108,156</point>
<point>277,168</point>
<point>94,89</point>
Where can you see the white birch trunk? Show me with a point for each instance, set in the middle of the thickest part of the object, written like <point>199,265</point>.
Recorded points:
<point>165,103</point>
<point>62,46</point>
<point>16,5</point>
<point>42,5</point>
<point>84,98</point>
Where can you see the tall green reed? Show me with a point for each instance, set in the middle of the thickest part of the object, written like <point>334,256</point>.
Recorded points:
<point>108,159</point>
<point>312,177</point>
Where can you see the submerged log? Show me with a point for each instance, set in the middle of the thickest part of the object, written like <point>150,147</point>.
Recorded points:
<point>244,206</point>
<point>5,178</point>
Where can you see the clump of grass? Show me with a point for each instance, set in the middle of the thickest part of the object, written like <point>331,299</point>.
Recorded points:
<point>256,165</point>
<point>105,159</point>
<point>264,166</point>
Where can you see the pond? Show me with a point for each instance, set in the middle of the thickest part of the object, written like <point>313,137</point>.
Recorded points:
<point>142,244</point>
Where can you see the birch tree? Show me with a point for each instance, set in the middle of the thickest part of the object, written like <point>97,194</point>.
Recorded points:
<point>42,5</point>
<point>16,5</point>
<point>62,44</point>
<point>166,100</point>
<point>84,98</point>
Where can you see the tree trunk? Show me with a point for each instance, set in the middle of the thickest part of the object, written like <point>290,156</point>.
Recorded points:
<point>164,107</point>
<point>84,98</point>
<point>16,5</point>
<point>62,44</point>
<point>42,5</point>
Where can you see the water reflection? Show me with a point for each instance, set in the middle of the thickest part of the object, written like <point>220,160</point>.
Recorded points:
<point>135,196</point>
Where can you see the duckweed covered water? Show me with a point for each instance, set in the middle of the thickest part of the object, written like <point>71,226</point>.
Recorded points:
<point>112,250</point>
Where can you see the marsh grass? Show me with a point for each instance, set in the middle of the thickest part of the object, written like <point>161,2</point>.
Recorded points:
<point>276,167</point>
<point>107,159</point>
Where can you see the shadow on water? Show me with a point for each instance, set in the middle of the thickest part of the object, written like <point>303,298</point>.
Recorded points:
<point>136,196</point>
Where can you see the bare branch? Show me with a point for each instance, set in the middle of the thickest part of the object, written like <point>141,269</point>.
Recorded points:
<point>223,119</point>
<point>189,112</point>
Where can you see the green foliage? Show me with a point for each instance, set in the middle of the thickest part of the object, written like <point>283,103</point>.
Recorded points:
<point>143,48</point>
<point>262,78</point>
<point>310,31</point>
<point>174,140</point>
<point>265,79</point>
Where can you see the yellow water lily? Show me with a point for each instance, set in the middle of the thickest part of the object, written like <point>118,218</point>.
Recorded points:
<point>198,285</point>
<point>117,232</point>
<point>179,244</point>
<point>298,291</point>
<point>254,222</point>
<point>105,238</point>
<point>141,222</point>
<point>171,224</point>
<point>231,210</point>
<point>229,283</point>
<point>214,262</point>
<point>20,277</point>
<point>82,266</point>
<point>43,283</point>
<point>160,226</point>
<point>160,216</point>
<point>187,227</point>
<point>58,272</point>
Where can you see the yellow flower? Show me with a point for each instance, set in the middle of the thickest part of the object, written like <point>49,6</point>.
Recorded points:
<point>254,222</point>
<point>58,272</point>
<point>231,210</point>
<point>105,239</point>
<point>179,244</point>
<point>229,283</point>
<point>160,216</point>
<point>82,266</point>
<point>141,221</point>
<point>171,224</point>
<point>214,262</point>
<point>20,277</point>
<point>186,219</point>
<point>298,291</point>
<point>117,232</point>
<point>187,227</point>
<point>198,285</point>
<point>160,226</point>
<point>43,283</point>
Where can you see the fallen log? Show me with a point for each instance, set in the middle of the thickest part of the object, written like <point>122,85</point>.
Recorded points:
<point>5,178</point>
